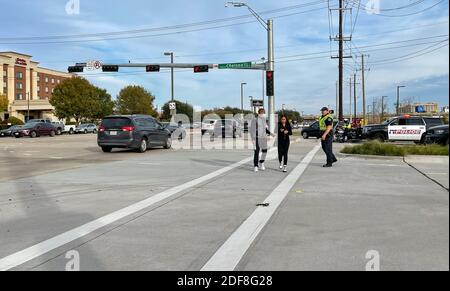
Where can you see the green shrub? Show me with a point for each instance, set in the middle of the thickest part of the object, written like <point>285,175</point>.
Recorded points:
<point>386,149</point>
<point>14,121</point>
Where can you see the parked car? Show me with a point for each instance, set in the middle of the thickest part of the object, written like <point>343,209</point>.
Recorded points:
<point>402,128</point>
<point>59,126</point>
<point>86,128</point>
<point>69,129</point>
<point>314,130</point>
<point>9,131</point>
<point>437,134</point>
<point>227,127</point>
<point>208,126</point>
<point>176,130</point>
<point>139,132</point>
<point>36,129</point>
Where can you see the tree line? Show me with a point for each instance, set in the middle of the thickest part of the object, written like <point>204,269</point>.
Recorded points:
<point>77,99</point>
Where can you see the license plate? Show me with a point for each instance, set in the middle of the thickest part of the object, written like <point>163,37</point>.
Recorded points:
<point>113,133</point>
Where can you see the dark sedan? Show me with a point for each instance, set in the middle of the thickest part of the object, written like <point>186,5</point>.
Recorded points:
<point>9,131</point>
<point>314,130</point>
<point>437,134</point>
<point>36,129</point>
<point>176,130</point>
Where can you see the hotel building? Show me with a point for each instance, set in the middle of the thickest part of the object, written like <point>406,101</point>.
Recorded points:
<point>28,87</point>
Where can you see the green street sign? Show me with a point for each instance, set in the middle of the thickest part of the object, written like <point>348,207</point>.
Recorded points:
<point>244,65</point>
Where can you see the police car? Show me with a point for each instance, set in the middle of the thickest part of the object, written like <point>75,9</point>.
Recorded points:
<point>403,128</point>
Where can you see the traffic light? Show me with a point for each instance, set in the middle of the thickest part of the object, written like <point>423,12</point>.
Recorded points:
<point>75,69</point>
<point>152,68</point>
<point>110,68</point>
<point>270,83</point>
<point>201,69</point>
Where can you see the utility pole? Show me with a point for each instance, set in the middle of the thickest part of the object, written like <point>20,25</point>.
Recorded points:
<point>271,67</point>
<point>340,38</point>
<point>373,110</point>
<point>242,99</point>
<point>350,95</point>
<point>382,107</point>
<point>263,88</point>
<point>341,59</point>
<point>173,112</point>
<point>363,84</point>
<point>354,95</point>
<point>398,99</point>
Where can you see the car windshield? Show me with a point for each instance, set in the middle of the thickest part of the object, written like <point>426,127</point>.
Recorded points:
<point>387,121</point>
<point>433,121</point>
<point>116,122</point>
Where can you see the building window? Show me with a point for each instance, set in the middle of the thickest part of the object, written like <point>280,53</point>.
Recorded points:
<point>19,75</point>
<point>19,96</point>
<point>46,89</point>
<point>38,89</point>
<point>53,81</point>
<point>53,90</point>
<point>19,86</point>
<point>38,78</point>
<point>5,73</point>
<point>5,85</point>
<point>46,79</point>
<point>58,81</point>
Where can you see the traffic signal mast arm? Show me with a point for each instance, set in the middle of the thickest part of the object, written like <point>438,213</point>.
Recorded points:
<point>232,66</point>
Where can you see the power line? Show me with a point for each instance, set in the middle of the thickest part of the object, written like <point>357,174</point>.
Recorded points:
<point>153,35</point>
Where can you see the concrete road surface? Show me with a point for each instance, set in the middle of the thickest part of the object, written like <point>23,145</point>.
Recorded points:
<point>194,209</point>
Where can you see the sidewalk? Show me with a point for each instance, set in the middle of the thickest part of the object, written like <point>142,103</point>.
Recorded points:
<point>333,217</point>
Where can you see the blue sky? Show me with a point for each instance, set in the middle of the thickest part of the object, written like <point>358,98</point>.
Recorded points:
<point>305,81</point>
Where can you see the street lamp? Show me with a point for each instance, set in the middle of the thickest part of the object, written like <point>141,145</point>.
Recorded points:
<point>263,59</point>
<point>268,26</point>
<point>172,74</point>
<point>398,99</point>
<point>242,98</point>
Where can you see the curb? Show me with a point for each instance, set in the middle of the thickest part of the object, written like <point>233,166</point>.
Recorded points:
<point>371,157</point>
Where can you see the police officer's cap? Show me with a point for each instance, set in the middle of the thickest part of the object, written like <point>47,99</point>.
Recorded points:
<point>324,109</point>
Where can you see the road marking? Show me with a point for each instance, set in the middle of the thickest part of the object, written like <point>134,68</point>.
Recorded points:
<point>231,252</point>
<point>436,173</point>
<point>44,247</point>
<point>150,164</point>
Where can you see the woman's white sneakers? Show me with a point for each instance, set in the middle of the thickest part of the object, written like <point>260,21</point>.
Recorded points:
<point>262,167</point>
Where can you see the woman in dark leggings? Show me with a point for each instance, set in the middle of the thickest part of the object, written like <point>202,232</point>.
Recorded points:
<point>284,133</point>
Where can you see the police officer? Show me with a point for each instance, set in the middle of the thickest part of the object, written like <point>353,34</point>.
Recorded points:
<point>326,130</point>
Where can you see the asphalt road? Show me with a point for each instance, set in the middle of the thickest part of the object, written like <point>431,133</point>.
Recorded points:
<point>196,209</point>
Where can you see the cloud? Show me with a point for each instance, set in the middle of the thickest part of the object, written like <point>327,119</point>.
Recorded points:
<point>302,84</point>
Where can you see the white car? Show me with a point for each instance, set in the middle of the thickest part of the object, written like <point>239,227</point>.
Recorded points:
<point>208,125</point>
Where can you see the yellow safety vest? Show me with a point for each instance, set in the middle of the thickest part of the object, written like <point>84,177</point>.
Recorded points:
<point>323,126</point>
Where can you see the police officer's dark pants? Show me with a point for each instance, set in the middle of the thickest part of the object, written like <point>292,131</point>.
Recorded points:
<point>327,146</point>
<point>259,149</point>
<point>283,151</point>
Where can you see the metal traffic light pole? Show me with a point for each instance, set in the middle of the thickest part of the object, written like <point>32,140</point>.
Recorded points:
<point>268,26</point>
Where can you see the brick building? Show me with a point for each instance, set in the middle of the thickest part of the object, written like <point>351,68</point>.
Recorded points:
<point>27,86</point>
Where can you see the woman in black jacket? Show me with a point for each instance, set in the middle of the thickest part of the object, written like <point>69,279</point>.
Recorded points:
<point>284,133</point>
